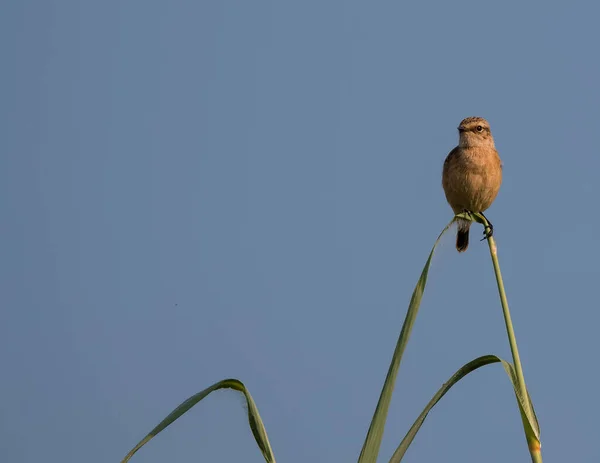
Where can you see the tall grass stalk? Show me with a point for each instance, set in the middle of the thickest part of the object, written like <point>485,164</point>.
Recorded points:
<point>533,440</point>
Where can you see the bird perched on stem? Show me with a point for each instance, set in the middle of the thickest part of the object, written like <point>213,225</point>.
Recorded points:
<point>472,175</point>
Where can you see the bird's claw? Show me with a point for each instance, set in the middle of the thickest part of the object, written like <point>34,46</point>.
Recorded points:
<point>487,232</point>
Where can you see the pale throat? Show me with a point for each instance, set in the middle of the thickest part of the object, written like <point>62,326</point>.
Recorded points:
<point>473,141</point>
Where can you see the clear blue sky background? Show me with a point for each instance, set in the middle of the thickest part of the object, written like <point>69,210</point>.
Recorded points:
<point>191,191</point>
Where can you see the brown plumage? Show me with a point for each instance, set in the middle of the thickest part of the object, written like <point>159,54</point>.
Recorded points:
<point>472,174</point>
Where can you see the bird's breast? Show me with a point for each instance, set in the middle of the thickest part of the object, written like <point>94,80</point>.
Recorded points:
<point>472,179</point>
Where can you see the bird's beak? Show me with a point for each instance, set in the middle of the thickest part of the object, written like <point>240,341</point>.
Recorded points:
<point>461,129</point>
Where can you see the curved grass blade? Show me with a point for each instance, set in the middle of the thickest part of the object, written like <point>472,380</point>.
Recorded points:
<point>372,443</point>
<point>456,377</point>
<point>528,416</point>
<point>256,424</point>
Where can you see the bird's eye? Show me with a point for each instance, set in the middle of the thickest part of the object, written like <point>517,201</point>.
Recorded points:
<point>479,128</point>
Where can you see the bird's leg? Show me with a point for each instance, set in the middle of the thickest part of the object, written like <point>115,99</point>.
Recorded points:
<point>488,231</point>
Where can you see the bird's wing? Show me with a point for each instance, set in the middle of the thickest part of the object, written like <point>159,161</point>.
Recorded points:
<point>450,157</point>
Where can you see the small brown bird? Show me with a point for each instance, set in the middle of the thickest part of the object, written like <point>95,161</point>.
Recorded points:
<point>472,174</point>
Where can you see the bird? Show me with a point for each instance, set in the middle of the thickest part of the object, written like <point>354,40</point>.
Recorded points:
<point>472,175</point>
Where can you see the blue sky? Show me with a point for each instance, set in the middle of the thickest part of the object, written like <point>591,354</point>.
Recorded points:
<point>192,191</point>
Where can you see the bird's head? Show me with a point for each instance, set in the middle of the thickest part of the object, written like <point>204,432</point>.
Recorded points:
<point>475,132</point>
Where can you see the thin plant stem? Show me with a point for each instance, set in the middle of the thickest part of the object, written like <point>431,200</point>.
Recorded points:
<point>532,442</point>
<point>507,320</point>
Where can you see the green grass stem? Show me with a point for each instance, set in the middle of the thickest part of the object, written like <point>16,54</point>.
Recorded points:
<point>532,435</point>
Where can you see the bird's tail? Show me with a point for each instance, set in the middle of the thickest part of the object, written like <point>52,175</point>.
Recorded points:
<point>462,236</point>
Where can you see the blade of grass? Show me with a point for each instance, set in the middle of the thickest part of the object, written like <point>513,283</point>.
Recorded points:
<point>370,449</point>
<point>256,424</point>
<point>455,378</point>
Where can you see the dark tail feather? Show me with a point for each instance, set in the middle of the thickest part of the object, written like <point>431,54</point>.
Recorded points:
<point>462,236</point>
